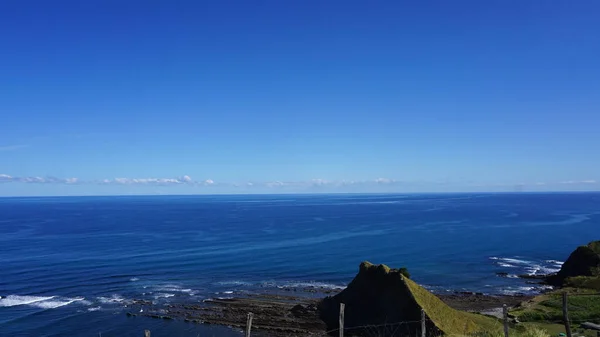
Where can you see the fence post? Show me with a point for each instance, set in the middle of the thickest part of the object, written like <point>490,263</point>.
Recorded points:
<point>423,331</point>
<point>341,327</point>
<point>147,333</point>
<point>566,314</point>
<point>249,324</point>
<point>505,318</point>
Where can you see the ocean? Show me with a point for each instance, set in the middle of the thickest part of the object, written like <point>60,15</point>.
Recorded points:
<point>69,266</point>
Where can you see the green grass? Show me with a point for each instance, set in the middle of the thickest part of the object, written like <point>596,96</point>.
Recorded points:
<point>523,331</point>
<point>588,282</point>
<point>548,307</point>
<point>449,320</point>
<point>554,329</point>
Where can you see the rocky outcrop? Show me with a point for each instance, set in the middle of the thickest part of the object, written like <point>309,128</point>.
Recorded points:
<point>390,303</point>
<point>583,262</point>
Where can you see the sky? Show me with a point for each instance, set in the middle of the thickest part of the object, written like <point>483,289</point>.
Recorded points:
<point>194,97</point>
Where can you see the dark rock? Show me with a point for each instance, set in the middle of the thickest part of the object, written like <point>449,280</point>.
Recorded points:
<point>378,296</point>
<point>375,296</point>
<point>299,309</point>
<point>584,261</point>
<point>533,277</point>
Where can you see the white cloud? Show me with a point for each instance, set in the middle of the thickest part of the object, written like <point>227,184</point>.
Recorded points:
<point>275,184</point>
<point>384,181</point>
<point>589,181</point>
<point>314,185</point>
<point>320,182</point>
<point>5,178</point>
<point>148,181</point>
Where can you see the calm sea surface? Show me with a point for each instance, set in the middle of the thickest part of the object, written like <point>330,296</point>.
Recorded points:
<point>69,266</point>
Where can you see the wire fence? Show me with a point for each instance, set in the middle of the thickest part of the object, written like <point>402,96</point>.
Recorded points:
<point>418,328</point>
<point>388,329</point>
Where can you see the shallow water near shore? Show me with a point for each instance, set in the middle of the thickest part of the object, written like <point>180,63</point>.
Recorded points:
<point>71,265</point>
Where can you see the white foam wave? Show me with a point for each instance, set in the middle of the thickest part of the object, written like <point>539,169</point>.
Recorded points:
<point>93,309</point>
<point>133,279</point>
<point>163,295</point>
<point>228,292</point>
<point>56,303</point>
<point>285,284</point>
<point>174,288</point>
<point>111,300</point>
<point>537,269</point>
<point>515,261</point>
<point>506,265</point>
<point>518,290</point>
<point>48,302</point>
<point>14,300</point>
<point>559,263</point>
<point>321,285</point>
<point>234,283</point>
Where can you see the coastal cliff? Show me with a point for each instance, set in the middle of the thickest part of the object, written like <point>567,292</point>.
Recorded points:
<point>582,268</point>
<point>379,295</point>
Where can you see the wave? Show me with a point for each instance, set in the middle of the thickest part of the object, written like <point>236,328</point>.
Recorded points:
<point>234,283</point>
<point>529,267</point>
<point>519,290</point>
<point>321,285</point>
<point>170,288</point>
<point>282,284</point>
<point>541,270</point>
<point>111,300</point>
<point>56,303</point>
<point>48,302</point>
<point>14,300</point>
<point>515,261</point>
<point>163,295</point>
<point>506,265</point>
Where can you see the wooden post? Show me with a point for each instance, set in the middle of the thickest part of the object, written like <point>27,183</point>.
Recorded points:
<point>566,314</point>
<point>341,327</point>
<point>147,333</point>
<point>423,332</point>
<point>249,324</point>
<point>505,318</point>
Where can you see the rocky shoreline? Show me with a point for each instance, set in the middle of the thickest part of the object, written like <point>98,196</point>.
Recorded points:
<point>291,312</point>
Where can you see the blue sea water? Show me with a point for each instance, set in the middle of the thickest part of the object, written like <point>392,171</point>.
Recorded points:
<point>69,266</point>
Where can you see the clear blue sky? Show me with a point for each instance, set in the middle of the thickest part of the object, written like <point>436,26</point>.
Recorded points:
<point>121,97</point>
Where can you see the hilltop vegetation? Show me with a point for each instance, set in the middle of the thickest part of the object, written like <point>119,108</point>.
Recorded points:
<point>379,295</point>
<point>581,270</point>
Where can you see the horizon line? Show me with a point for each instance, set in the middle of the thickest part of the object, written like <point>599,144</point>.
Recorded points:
<point>295,194</point>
